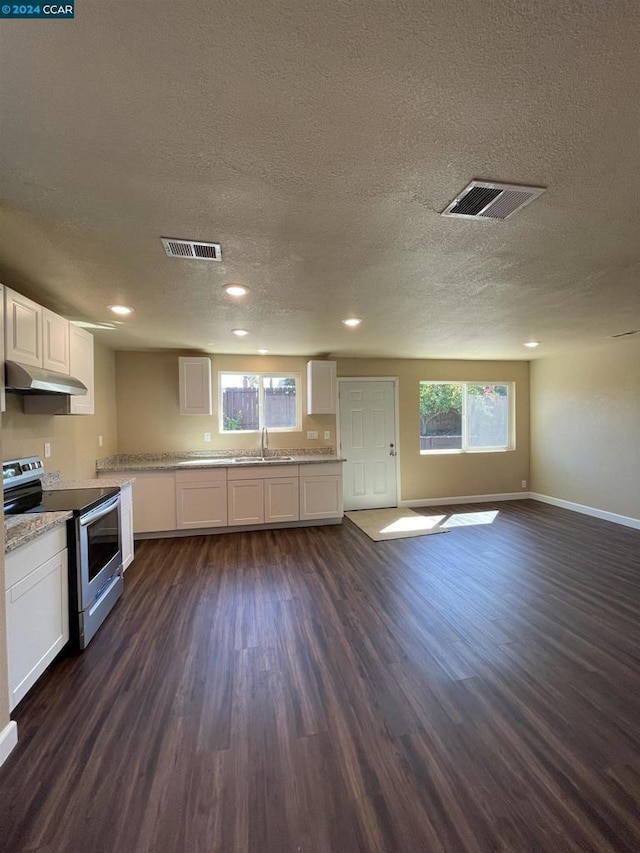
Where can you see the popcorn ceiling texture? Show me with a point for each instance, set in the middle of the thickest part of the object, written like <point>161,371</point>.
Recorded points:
<point>317,142</point>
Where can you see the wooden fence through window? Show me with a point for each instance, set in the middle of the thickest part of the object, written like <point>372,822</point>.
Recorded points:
<point>240,408</point>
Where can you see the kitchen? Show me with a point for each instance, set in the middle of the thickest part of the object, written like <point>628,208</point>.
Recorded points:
<point>272,679</point>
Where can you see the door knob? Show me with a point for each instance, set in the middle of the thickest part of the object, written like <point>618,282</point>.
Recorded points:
<point>392,451</point>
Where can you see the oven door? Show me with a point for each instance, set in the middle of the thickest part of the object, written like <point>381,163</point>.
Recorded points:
<point>99,551</point>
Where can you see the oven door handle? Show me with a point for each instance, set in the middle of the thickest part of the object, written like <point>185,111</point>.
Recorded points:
<point>99,512</point>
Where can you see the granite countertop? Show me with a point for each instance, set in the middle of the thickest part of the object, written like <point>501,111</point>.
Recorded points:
<point>54,485</point>
<point>20,529</point>
<point>176,462</point>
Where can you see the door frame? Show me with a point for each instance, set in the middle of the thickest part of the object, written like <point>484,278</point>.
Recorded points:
<point>396,415</point>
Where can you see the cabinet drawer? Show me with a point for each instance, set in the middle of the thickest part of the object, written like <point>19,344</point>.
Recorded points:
<point>21,562</point>
<point>209,475</point>
<point>262,472</point>
<point>321,469</point>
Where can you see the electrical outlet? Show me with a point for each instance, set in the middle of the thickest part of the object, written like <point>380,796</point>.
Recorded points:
<point>312,433</point>
<point>207,436</point>
<point>524,484</point>
<point>100,441</point>
<point>327,435</point>
<point>47,450</point>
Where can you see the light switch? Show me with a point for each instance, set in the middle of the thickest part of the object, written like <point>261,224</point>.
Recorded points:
<point>312,433</point>
<point>327,434</point>
<point>47,450</point>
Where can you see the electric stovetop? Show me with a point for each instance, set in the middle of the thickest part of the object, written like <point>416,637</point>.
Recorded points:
<point>77,501</point>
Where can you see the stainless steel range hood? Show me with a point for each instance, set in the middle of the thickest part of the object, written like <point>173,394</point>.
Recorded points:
<point>24,379</point>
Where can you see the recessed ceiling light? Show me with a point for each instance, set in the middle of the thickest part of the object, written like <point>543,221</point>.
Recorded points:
<point>263,351</point>
<point>241,333</point>
<point>352,321</point>
<point>121,309</point>
<point>235,289</point>
<point>532,344</point>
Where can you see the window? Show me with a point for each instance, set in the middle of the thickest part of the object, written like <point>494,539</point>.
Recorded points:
<point>465,416</point>
<point>251,401</point>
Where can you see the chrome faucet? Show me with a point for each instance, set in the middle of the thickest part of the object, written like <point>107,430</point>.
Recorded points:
<point>264,447</point>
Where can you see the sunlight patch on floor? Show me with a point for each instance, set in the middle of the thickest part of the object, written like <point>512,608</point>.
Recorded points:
<point>421,522</point>
<point>466,519</point>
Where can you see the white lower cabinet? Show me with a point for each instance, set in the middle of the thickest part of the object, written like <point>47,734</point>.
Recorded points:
<point>154,501</point>
<point>245,501</point>
<point>233,496</point>
<point>321,491</point>
<point>37,608</point>
<point>281,499</point>
<point>263,495</point>
<point>201,498</point>
<point>126,520</point>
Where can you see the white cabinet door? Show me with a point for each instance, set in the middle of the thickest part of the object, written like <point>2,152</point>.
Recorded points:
<point>321,491</point>
<point>37,622</point>
<point>81,366</point>
<point>281,501</point>
<point>55,342</point>
<point>126,521</point>
<point>23,329</point>
<point>321,387</point>
<point>245,502</point>
<point>195,385</point>
<point>154,501</point>
<point>201,498</point>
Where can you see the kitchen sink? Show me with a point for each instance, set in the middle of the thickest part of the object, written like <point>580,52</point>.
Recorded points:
<point>263,459</point>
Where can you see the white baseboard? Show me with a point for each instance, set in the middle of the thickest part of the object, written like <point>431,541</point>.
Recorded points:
<point>626,520</point>
<point>8,740</point>
<point>466,499</point>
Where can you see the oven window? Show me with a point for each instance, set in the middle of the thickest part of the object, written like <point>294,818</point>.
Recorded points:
<point>102,542</point>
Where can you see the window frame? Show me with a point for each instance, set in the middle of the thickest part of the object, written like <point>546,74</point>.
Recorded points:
<point>270,374</point>
<point>511,424</point>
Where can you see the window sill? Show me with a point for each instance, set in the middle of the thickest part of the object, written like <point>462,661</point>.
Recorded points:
<point>458,451</point>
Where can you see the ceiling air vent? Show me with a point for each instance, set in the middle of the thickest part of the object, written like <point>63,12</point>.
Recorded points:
<point>192,249</point>
<point>486,200</point>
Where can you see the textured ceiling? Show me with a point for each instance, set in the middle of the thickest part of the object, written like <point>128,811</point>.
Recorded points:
<point>317,142</point>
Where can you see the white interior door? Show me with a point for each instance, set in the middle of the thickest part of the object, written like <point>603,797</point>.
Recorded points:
<point>368,442</point>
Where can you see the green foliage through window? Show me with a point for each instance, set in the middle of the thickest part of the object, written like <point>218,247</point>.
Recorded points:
<point>464,416</point>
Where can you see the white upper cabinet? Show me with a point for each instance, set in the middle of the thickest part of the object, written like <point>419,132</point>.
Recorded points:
<point>55,342</point>
<point>321,388</point>
<point>195,386</point>
<point>23,329</point>
<point>81,366</point>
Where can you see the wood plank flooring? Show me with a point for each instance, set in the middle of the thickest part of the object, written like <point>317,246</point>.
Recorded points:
<point>311,691</point>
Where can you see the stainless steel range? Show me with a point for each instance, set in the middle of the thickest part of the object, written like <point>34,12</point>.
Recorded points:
<point>93,539</point>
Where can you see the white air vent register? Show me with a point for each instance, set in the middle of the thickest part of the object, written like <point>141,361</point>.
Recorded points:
<point>192,249</point>
<point>487,200</point>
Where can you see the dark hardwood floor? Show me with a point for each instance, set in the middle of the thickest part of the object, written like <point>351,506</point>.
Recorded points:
<point>311,691</point>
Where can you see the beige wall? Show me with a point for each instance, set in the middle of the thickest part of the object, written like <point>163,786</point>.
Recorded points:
<point>585,427</point>
<point>452,475</point>
<point>149,420</point>
<point>73,438</point>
